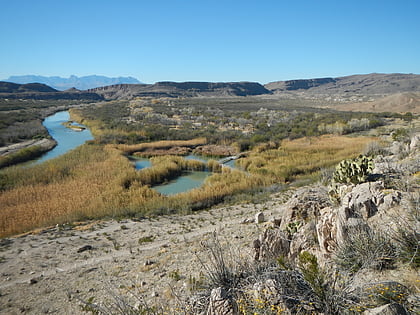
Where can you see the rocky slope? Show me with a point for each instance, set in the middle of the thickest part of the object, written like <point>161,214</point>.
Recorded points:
<point>244,258</point>
<point>181,89</point>
<point>369,84</point>
<point>399,102</point>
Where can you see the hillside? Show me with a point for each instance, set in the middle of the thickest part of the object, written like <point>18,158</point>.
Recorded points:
<point>81,83</point>
<point>184,89</point>
<point>399,102</point>
<point>369,84</point>
<point>40,91</point>
<point>295,252</point>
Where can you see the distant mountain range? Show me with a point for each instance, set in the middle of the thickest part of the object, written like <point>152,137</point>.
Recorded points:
<point>80,83</point>
<point>375,86</point>
<point>39,91</point>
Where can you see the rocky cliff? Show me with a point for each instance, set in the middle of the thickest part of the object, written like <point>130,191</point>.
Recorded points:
<point>181,89</point>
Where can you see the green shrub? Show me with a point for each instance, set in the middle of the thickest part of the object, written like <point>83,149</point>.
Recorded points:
<point>353,171</point>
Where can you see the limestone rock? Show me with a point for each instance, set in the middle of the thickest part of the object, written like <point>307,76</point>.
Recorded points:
<point>304,205</point>
<point>220,303</point>
<point>415,143</point>
<point>364,200</point>
<point>303,240</point>
<point>259,217</point>
<point>326,230</point>
<point>388,309</point>
<point>272,243</point>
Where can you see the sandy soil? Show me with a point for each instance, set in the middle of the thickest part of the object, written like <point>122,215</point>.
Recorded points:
<point>48,271</point>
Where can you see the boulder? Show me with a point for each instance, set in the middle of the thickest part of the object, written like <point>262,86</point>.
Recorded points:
<point>388,309</point>
<point>259,218</point>
<point>326,230</point>
<point>272,243</point>
<point>363,200</point>
<point>220,303</point>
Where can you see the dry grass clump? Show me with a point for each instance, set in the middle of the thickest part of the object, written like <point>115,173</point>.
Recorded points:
<point>130,149</point>
<point>296,158</point>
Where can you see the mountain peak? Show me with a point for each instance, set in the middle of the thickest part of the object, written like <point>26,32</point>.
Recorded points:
<point>80,83</point>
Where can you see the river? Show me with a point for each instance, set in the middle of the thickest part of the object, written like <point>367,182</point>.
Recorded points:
<point>67,138</point>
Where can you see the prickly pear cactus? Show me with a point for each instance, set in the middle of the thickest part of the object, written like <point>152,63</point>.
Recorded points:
<point>353,171</point>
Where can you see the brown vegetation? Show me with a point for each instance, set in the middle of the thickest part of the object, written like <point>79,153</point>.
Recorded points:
<point>95,181</point>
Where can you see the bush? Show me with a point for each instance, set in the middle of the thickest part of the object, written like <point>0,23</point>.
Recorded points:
<point>365,248</point>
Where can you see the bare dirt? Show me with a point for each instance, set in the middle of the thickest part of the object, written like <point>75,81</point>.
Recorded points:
<point>50,271</point>
<point>396,103</point>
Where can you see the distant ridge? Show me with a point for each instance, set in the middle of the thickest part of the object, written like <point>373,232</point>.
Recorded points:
<point>181,89</point>
<point>366,84</point>
<point>39,91</point>
<point>80,83</point>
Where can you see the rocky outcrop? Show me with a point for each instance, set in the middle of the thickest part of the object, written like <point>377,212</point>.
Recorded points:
<point>368,84</point>
<point>181,89</point>
<point>220,303</point>
<point>388,309</point>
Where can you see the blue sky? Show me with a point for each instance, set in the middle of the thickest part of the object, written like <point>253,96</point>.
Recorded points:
<point>201,40</point>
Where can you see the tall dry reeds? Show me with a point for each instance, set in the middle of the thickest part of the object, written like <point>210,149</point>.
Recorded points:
<point>96,181</point>
<point>130,149</point>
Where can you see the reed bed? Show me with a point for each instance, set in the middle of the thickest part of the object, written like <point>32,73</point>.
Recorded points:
<point>130,149</point>
<point>301,157</point>
<point>95,181</point>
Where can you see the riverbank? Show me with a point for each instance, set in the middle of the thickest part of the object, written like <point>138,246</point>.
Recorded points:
<point>25,151</point>
<point>44,143</point>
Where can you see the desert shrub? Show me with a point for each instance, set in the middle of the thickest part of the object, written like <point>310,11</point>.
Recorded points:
<point>401,135</point>
<point>365,248</point>
<point>375,148</point>
<point>406,237</point>
<point>120,304</point>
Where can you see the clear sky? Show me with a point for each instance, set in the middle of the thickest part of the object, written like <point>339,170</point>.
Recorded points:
<point>200,40</point>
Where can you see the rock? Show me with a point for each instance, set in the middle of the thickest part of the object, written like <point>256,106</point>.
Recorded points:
<point>148,262</point>
<point>84,248</point>
<point>272,243</point>
<point>154,294</point>
<point>390,200</point>
<point>259,217</point>
<point>363,200</point>
<point>388,309</point>
<point>303,240</point>
<point>304,205</point>
<point>220,303</point>
<point>415,143</point>
<point>326,230</point>
<point>247,221</point>
<point>285,289</point>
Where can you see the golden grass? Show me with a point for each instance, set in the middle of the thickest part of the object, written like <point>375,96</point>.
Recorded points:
<point>303,156</point>
<point>96,181</point>
<point>130,149</point>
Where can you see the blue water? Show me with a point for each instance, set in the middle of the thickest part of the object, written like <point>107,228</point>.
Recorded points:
<point>141,163</point>
<point>183,183</point>
<point>67,139</point>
